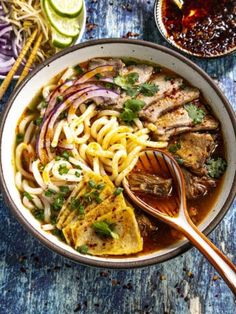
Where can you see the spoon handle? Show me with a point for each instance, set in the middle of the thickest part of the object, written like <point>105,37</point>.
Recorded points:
<point>220,262</point>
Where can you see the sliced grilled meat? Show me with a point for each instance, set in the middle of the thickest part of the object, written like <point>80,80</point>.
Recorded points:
<point>208,124</point>
<point>194,149</point>
<point>150,184</point>
<point>144,71</point>
<point>165,87</point>
<point>197,186</point>
<point>177,99</point>
<point>179,121</point>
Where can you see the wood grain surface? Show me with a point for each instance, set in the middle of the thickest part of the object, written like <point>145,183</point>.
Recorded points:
<point>35,280</point>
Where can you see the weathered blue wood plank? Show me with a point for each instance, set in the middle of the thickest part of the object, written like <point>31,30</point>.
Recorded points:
<point>35,280</point>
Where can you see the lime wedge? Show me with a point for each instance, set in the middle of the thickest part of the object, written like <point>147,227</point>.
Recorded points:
<point>67,8</point>
<point>64,25</point>
<point>60,41</point>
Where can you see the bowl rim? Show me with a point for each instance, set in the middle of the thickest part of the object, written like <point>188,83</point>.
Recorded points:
<point>82,259</point>
<point>160,26</point>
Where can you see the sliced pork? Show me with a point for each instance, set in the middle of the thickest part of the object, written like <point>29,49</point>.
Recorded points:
<point>177,99</point>
<point>144,71</point>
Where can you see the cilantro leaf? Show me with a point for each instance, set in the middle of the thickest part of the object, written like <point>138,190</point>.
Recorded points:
<point>104,228</point>
<point>216,167</point>
<point>127,115</point>
<point>148,89</point>
<point>131,109</point>
<point>38,121</point>
<point>195,113</point>
<point>126,81</point>
<point>134,104</point>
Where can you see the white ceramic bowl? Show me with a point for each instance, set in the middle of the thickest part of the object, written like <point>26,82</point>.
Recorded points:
<point>82,24</point>
<point>115,48</point>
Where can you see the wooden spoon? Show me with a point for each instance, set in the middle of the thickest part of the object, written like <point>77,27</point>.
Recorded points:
<point>175,212</point>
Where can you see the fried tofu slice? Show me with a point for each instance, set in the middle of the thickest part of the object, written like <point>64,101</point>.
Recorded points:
<point>67,215</point>
<point>128,239</point>
<point>111,204</point>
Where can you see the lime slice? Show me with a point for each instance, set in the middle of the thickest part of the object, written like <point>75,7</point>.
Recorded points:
<point>60,41</point>
<point>64,25</point>
<point>67,8</point>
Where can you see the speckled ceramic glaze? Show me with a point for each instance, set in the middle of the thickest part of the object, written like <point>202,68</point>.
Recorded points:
<point>115,48</point>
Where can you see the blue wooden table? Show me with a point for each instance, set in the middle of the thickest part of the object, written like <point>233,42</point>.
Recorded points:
<point>35,280</point>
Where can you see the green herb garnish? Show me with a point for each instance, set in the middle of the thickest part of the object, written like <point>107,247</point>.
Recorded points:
<point>63,169</point>
<point>29,196</point>
<point>77,174</point>
<point>83,249</point>
<point>98,76</point>
<point>43,104</point>
<point>58,202</point>
<point>75,203</point>
<point>173,148</point>
<point>58,233</point>
<point>131,109</point>
<point>91,184</point>
<point>148,89</point>
<point>38,214</point>
<point>105,229</point>
<point>38,121</point>
<point>78,69</point>
<point>128,115</point>
<point>118,191</point>
<point>64,189</point>
<point>216,167</point>
<point>49,193</point>
<point>126,81</point>
<point>65,155</point>
<point>180,161</point>
<point>63,115</point>
<point>19,138</point>
<point>100,186</point>
<point>195,113</point>
<point>60,98</point>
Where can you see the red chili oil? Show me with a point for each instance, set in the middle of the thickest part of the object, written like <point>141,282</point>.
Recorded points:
<point>203,27</point>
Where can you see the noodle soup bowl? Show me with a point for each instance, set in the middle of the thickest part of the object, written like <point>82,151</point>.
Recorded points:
<point>147,52</point>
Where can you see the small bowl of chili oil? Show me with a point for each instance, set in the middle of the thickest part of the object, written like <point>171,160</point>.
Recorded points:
<point>200,28</point>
